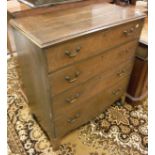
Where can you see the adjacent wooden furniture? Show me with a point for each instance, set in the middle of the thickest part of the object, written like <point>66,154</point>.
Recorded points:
<point>13,7</point>
<point>45,3</point>
<point>138,86</point>
<point>133,2</point>
<point>16,9</point>
<point>76,62</point>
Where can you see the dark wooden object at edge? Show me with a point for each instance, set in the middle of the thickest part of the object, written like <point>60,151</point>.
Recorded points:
<point>138,86</point>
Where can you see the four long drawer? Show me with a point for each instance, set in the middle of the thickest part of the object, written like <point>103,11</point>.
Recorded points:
<point>99,74</point>
<point>89,109</point>
<point>81,72</point>
<point>81,48</point>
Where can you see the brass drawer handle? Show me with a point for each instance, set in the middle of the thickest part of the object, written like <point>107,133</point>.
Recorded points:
<point>73,99</point>
<point>129,32</point>
<point>116,92</point>
<point>121,73</point>
<point>72,79</point>
<point>73,119</point>
<point>74,53</point>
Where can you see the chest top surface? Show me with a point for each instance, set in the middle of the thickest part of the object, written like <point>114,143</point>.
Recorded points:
<point>51,28</point>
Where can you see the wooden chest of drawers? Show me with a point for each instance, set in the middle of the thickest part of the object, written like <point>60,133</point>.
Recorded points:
<point>76,63</point>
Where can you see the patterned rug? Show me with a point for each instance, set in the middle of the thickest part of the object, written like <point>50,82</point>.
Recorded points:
<point>120,130</point>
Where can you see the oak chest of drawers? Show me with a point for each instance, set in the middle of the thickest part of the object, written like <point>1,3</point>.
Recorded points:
<point>77,62</point>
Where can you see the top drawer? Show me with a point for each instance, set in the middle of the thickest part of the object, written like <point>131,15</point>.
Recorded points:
<point>80,48</point>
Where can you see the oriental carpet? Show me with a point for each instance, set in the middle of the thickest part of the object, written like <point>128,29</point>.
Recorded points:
<point>120,130</point>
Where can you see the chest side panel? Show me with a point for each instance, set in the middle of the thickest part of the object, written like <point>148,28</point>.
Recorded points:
<point>35,83</point>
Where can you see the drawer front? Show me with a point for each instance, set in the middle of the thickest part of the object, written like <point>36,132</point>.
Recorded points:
<point>73,97</point>
<point>81,72</point>
<point>89,109</point>
<point>75,50</point>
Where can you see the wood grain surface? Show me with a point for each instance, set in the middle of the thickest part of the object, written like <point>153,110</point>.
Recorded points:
<point>48,29</point>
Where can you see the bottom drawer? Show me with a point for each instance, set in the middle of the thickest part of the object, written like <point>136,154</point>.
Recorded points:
<point>89,109</point>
